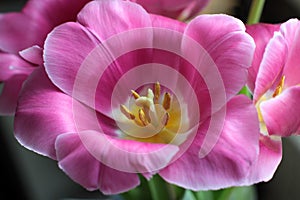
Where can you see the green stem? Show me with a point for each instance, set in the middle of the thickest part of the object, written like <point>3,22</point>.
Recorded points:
<point>226,193</point>
<point>158,188</point>
<point>255,11</point>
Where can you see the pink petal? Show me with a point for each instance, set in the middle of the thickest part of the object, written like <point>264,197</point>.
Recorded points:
<point>127,155</point>
<point>114,182</point>
<point>14,29</point>
<point>10,93</point>
<point>229,161</point>
<point>228,45</point>
<point>76,162</point>
<point>42,114</point>
<point>33,54</point>
<point>270,154</point>
<point>122,14</point>
<point>64,53</point>
<point>281,114</point>
<point>83,168</point>
<point>182,9</point>
<point>261,34</point>
<point>291,33</point>
<point>11,65</point>
<point>164,22</point>
<point>271,65</point>
<point>54,12</point>
<point>31,26</point>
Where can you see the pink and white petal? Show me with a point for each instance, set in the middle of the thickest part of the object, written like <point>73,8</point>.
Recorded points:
<point>228,45</point>
<point>271,66</point>
<point>123,15</point>
<point>64,54</point>
<point>229,161</point>
<point>261,33</point>
<point>43,113</point>
<point>115,182</point>
<point>77,162</point>
<point>127,155</point>
<point>168,23</point>
<point>291,33</point>
<point>33,55</point>
<point>281,114</point>
<point>14,29</point>
<point>11,65</point>
<point>270,154</point>
<point>10,93</point>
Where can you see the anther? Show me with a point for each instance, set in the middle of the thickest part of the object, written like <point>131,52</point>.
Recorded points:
<point>142,117</point>
<point>279,88</point>
<point>156,92</point>
<point>167,101</point>
<point>126,112</point>
<point>135,94</point>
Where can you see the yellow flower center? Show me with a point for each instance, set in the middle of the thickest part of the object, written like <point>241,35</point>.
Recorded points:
<point>154,117</point>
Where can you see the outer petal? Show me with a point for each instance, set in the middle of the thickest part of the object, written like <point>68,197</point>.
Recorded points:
<point>270,154</point>
<point>228,45</point>
<point>64,53</point>
<point>261,33</point>
<point>182,9</point>
<point>281,114</point>
<point>271,65</point>
<point>291,33</point>
<point>37,18</point>
<point>229,161</point>
<point>164,22</point>
<point>42,114</point>
<point>33,55</point>
<point>83,168</point>
<point>11,65</point>
<point>54,12</point>
<point>128,155</point>
<point>10,94</point>
<point>14,28</point>
<point>122,14</point>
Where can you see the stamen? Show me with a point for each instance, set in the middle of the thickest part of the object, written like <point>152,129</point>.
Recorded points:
<point>156,92</point>
<point>167,101</point>
<point>126,112</point>
<point>142,117</point>
<point>165,119</point>
<point>135,94</point>
<point>279,88</point>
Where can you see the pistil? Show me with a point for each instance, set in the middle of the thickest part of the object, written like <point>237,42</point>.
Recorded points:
<point>149,106</point>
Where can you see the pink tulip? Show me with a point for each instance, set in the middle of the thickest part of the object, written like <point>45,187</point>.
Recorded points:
<point>274,77</point>
<point>274,81</point>
<point>148,95</point>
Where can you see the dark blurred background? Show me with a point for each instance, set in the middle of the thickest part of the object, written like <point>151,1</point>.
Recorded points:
<point>25,175</point>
